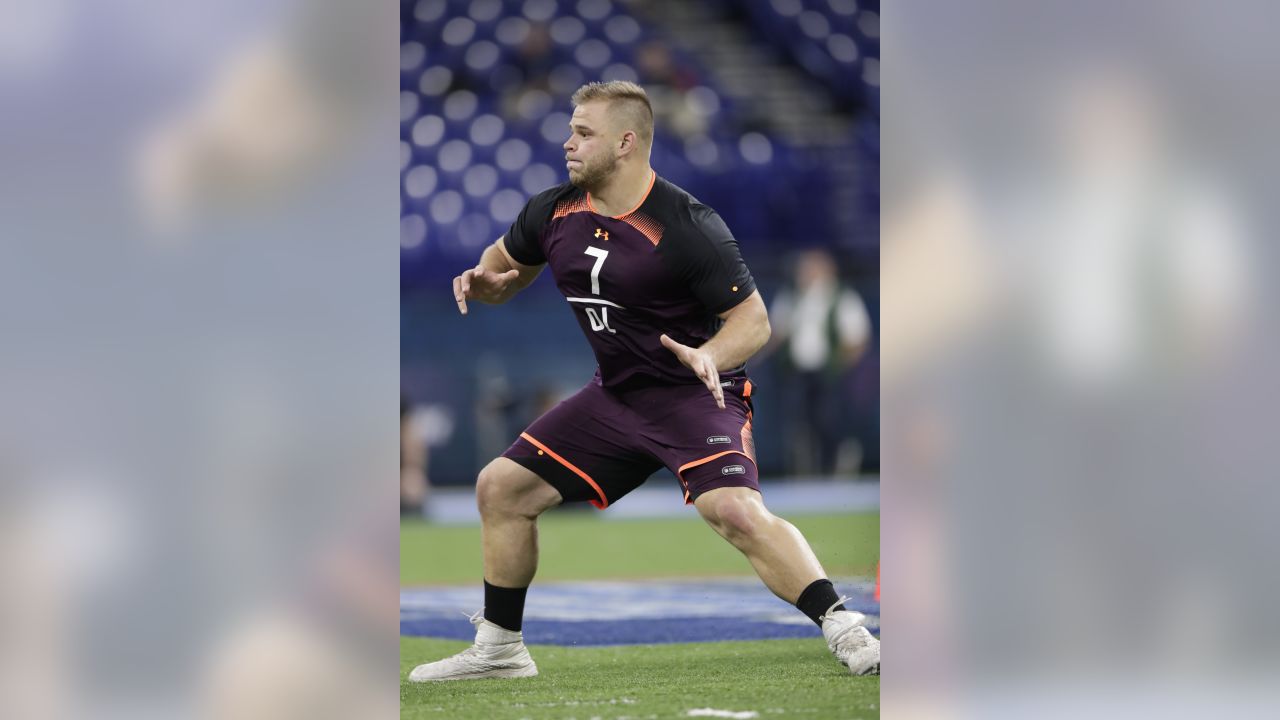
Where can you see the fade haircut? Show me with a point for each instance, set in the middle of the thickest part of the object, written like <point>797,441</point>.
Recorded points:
<point>627,100</point>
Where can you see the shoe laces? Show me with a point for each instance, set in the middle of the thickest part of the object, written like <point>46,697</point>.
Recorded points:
<point>476,618</point>
<point>838,637</point>
<point>828,614</point>
<point>473,651</point>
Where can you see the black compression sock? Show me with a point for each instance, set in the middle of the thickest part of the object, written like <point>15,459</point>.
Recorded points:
<point>817,599</point>
<point>504,607</point>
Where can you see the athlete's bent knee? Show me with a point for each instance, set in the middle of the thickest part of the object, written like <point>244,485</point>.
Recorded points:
<point>504,489</point>
<point>492,495</point>
<point>740,519</point>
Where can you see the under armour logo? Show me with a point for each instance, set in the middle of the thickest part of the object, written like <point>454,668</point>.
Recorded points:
<point>602,234</point>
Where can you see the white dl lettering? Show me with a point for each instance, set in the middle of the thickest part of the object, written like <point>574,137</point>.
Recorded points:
<point>599,321</point>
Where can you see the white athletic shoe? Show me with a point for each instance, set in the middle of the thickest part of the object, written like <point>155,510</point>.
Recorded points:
<point>497,653</point>
<point>851,643</point>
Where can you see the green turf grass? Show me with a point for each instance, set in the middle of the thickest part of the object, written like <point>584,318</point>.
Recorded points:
<point>775,678</point>
<point>583,546</point>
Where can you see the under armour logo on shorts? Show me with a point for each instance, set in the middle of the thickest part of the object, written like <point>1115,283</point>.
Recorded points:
<point>733,470</point>
<point>719,440</point>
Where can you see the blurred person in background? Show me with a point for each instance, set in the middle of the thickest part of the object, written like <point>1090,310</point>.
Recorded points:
<point>671,388</point>
<point>414,486</point>
<point>1085,326</point>
<point>276,116</point>
<point>318,647</point>
<point>536,62</point>
<point>1130,305</point>
<point>668,84</point>
<point>823,330</point>
<point>1142,279</point>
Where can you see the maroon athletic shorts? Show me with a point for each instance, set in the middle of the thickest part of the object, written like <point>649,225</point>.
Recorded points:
<point>601,444</point>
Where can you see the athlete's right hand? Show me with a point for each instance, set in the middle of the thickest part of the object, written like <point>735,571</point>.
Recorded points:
<point>481,284</point>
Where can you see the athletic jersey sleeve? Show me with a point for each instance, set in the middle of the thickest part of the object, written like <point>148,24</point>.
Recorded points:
<point>711,263</point>
<point>524,239</point>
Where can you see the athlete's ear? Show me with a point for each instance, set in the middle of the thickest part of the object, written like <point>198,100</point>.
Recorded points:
<point>628,143</point>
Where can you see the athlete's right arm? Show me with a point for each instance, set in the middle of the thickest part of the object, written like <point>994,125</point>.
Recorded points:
<point>495,279</point>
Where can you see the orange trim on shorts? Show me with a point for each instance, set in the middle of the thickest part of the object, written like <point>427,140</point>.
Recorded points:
<point>746,389</point>
<point>703,461</point>
<point>603,502</point>
<point>653,178</point>
<point>748,442</point>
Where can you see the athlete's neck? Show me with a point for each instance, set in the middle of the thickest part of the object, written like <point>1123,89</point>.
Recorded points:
<point>623,191</point>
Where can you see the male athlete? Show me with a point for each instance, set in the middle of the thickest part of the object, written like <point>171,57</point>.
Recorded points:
<point>656,281</point>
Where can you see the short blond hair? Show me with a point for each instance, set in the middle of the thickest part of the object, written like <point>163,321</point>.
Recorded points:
<point>627,99</point>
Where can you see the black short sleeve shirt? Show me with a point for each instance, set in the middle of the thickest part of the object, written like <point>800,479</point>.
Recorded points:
<point>670,265</point>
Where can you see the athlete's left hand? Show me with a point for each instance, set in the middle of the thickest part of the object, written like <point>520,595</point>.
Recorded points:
<point>702,365</point>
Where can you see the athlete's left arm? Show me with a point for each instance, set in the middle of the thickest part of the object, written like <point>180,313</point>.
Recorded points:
<point>745,331</point>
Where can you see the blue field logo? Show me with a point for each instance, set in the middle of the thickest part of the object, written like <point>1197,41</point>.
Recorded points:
<point>632,613</point>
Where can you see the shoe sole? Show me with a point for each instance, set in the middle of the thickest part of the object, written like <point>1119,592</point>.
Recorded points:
<point>867,668</point>
<point>512,673</point>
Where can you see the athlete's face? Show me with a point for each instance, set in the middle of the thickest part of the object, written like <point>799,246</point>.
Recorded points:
<point>590,150</point>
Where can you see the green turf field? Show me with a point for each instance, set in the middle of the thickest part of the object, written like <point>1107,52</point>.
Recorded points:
<point>582,546</point>
<point>775,678</point>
